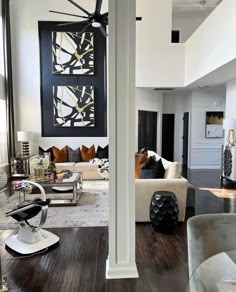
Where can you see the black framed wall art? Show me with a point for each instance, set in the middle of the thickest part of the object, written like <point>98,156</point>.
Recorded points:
<point>73,81</point>
<point>214,124</point>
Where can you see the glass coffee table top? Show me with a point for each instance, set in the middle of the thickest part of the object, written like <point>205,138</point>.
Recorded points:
<point>215,274</point>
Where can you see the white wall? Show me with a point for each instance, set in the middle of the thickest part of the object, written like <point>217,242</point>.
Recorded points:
<point>158,62</point>
<point>178,103</point>
<point>188,20</point>
<point>150,100</point>
<point>213,44</point>
<point>169,103</point>
<point>26,67</point>
<point>230,111</point>
<point>205,152</point>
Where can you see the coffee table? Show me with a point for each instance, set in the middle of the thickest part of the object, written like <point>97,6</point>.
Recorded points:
<point>75,182</point>
<point>215,274</point>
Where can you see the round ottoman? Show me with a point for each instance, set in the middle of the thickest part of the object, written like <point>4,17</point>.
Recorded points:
<point>164,211</point>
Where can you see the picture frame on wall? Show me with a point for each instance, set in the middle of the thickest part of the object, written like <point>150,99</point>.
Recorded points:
<point>72,53</point>
<point>214,124</point>
<point>73,81</point>
<point>73,106</point>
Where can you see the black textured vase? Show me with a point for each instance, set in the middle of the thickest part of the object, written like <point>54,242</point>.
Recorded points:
<point>164,211</point>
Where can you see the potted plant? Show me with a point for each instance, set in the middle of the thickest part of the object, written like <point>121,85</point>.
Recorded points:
<point>52,170</point>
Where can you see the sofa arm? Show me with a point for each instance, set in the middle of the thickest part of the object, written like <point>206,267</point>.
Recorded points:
<point>144,189</point>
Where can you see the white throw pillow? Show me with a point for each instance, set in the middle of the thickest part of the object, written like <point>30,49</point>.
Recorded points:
<point>152,153</point>
<point>165,162</point>
<point>173,170</point>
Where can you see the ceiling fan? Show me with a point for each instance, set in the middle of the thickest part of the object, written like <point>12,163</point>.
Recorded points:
<point>95,19</point>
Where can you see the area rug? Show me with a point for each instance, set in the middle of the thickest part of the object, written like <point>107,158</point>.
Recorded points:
<point>91,210</point>
<point>221,193</point>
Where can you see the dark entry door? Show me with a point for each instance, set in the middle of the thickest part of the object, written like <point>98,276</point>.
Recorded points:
<point>147,130</point>
<point>168,131</point>
<point>185,139</point>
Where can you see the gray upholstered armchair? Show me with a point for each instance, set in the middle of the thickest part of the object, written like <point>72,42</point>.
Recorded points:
<point>208,235</point>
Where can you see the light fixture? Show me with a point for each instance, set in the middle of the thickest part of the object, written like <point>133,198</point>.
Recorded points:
<point>25,137</point>
<point>230,125</point>
<point>96,24</point>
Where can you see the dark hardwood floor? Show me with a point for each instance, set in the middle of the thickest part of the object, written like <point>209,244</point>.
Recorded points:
<point>78,262</point>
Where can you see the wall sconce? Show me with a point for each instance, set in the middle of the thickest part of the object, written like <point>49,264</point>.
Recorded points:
<point>25,137</point>
<point>230,125</point>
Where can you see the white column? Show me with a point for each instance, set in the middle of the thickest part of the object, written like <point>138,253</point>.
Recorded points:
<point>230,103</point>
<point>121,259</point>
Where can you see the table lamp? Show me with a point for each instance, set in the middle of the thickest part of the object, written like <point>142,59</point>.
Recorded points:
<point>25,137</point>
<point>230,125</point>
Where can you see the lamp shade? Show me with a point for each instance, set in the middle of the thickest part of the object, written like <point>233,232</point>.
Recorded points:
<point>24,136</point>
<point>229,124</point>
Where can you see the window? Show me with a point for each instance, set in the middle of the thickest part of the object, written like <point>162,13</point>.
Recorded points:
<point>3,134</point>
<point>1,49</point>
<point>3,124</point>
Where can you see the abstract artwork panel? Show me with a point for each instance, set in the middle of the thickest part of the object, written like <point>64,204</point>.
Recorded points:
<point>73,106</point>
<point>73,53</point>
<point>214,124</point>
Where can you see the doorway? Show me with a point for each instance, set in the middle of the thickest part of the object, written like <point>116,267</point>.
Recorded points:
<point>185,139</point>
<point>147,130</point>
<point>168,132</point>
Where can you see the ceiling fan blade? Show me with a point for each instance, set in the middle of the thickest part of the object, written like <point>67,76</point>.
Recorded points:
<point>105,14</point>
<point>68,23</point>
<point>85,28</point>
<point>64,13</point>
<point>105,17</point>
<point>80,7</point>
<point>98,7</point>
<point>102,30</point>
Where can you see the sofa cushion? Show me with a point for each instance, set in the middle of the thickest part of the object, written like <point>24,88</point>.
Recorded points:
<point>65,166</point>
<point>74,155</point>
<point>60,155</point>
<point>83,166</point>
<point>152,169</point>
<point>42,151</point>
<point>87,153</point>
<point>102,152</point>
<point>173,170</point>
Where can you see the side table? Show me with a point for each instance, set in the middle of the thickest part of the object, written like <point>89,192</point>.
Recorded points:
<point>20,166</point>
<point>164,211</point>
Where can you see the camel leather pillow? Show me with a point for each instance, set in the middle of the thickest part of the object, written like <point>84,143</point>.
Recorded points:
<point>87,153</point>
<point>140,160</point>
<point>60,155</point>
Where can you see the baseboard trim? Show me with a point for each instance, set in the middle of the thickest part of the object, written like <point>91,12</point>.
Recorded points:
<point>216,167</point>
<point>121,272</point>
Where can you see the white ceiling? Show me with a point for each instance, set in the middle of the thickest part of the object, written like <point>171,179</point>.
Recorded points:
<point>196,3</point>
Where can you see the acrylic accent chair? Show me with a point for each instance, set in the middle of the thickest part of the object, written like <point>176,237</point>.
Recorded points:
<point>209,234</point>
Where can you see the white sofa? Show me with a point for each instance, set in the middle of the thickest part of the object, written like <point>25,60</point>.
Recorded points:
<point>172,181</point>
<point>89,170</point>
